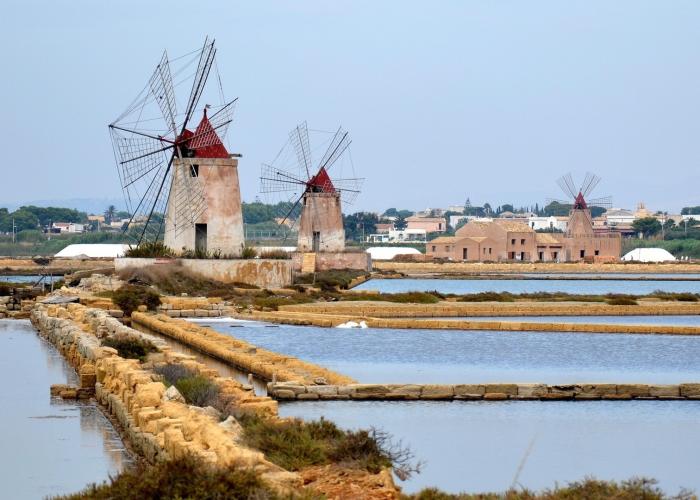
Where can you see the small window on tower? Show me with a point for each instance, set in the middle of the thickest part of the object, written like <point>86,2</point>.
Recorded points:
<point>194,170</point>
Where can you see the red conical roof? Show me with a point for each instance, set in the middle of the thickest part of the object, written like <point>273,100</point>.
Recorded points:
<point>580,202</point>
<point>206,143</point>
<point>320,183</point>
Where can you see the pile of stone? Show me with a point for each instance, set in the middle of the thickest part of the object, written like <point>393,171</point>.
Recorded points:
<point>192,307</point>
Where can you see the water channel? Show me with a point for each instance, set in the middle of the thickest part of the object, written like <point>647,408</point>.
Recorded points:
<point>478,446</point>
<point>464,286</point>
<point>49,446</point>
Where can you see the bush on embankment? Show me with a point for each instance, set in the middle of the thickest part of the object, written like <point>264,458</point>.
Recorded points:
<point>295,445</point>
<point>196,389</point>
<point>588,489</point>
<point>399,298</point>
<point>183,478</point>
<point>130,347</point>
<point>130,297</point>
<point>334,279</point>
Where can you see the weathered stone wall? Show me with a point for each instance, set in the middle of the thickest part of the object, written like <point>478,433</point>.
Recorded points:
<point>265,273</point>
<point>326,261</point>
<point>488,392</point>
<point>321,213</point>
<point>192,307</point>
<point>13,306</point>
<point>244,356</point>
<point>157,427</point>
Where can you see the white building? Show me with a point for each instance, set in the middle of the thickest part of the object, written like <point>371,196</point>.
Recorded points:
<point>456,219</point>
<point>619,217</point>
<point>548,223</point>
<point>396,236</point>
<point>68,227</point>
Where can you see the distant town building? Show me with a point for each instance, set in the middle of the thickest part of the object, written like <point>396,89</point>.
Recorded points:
<point>429,224</point>
<point>550,223</point>
<point>513,240</point>
<point>396,236</point>
<point>68,227</point>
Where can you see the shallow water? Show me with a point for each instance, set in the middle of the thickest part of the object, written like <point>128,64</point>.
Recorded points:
<point>462,356</point>
<point>49,446</point>
<point>594,287</point>
<point>478,446</point>
<point>28,278</point>
<point>681,320</point>
<point>632,276</point>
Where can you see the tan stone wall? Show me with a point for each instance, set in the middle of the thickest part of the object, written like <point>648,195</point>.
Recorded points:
<point>156,427</point>
<point>264,364</point>
<point>218,178</point>
<point>321,212</point>
<point>326,261</point>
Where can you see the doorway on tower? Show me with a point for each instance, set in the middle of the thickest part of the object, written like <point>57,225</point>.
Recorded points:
<point>316,242</point>
<point>200,238</point>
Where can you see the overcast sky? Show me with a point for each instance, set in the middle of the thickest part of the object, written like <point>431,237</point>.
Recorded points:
<point>491,100</point>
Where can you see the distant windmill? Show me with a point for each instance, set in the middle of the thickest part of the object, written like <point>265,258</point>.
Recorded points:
<point>172,168</point>
<point>310,186</point>
<point>580,220</point>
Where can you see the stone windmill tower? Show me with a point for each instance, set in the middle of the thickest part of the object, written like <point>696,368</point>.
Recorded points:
<point>312,189</point>
<point>180,184</point>
<point>580,219</point>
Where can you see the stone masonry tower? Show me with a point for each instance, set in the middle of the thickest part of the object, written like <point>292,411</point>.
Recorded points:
<point>321,223</point>
<point>205,162</point>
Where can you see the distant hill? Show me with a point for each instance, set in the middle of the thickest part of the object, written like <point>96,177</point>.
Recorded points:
<point>89,205</point>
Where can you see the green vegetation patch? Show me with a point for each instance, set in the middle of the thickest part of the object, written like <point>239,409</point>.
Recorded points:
<point>149,250</point>
<point>588,489</point>
<point>130,346</point>
<point>130,297</point>
<point>336,279</point>
<point>294,445</point>
<point>196,389</point>
<point>183,478</point>
<point>402,298</point>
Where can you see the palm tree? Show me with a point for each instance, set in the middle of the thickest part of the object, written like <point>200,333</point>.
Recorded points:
<point>110,213</point>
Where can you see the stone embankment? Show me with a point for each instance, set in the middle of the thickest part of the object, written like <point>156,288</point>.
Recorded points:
<point>445,309</point>
<point>264,364</point>
<point>486,392</point>
<point>410,268</point>
<point>334,320</point>
<point>157,426</point>
<point>13,306</point>
<point>192,307</point>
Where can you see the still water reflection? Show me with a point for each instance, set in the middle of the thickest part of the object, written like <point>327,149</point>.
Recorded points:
<point>49,446</point>
<point>477,446</point>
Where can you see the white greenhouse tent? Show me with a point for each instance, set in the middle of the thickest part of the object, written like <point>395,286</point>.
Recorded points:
<point>93,250</point>
<point>388,253</point>
<point>649,255</point>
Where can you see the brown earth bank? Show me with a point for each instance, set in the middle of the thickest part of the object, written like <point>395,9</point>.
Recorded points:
<point>9,265</point>
<point>411,268</point>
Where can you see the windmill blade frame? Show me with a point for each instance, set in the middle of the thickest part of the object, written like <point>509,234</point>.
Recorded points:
<point>589,184</point>
<point>299,137</point>
<point>338,145</point>
<point>566,183</point>
<point>161,85</point>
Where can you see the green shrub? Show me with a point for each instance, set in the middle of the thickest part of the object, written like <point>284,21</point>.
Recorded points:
<point>487,297</point>
<point>680,296</point>
<point>294,445</point>
<point>173,372</point>
<point>130,297</point>
<point>184,478</point>
<point>276,254</point>
<point>331,279</point>
<point>621,301</point>
<point>130,346</point>
<point>149,249</point>
<point>274,302</point>
<point>405,297</point>
<point>588,489</point>
<point>248,253</point>
<point>198,390</point>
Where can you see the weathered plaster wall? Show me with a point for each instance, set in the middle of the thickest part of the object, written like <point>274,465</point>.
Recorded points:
<point>265,273</point>
<point>321,212</point>
<point>218,180</point>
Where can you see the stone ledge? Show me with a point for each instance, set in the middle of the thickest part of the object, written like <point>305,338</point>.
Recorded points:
<point>485,392</point>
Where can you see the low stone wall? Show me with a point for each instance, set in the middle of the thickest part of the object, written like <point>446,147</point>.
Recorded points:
<point>157,427</point>
<point>13,306</point>
<point>486,392</point>
<point>264,273</point>
<point>326,261</point>
<point>192,307</point>
<point>264,364</point>
<point>378,309</point>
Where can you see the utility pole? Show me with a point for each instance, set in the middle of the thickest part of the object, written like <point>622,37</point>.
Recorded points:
<point>13,230</point>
